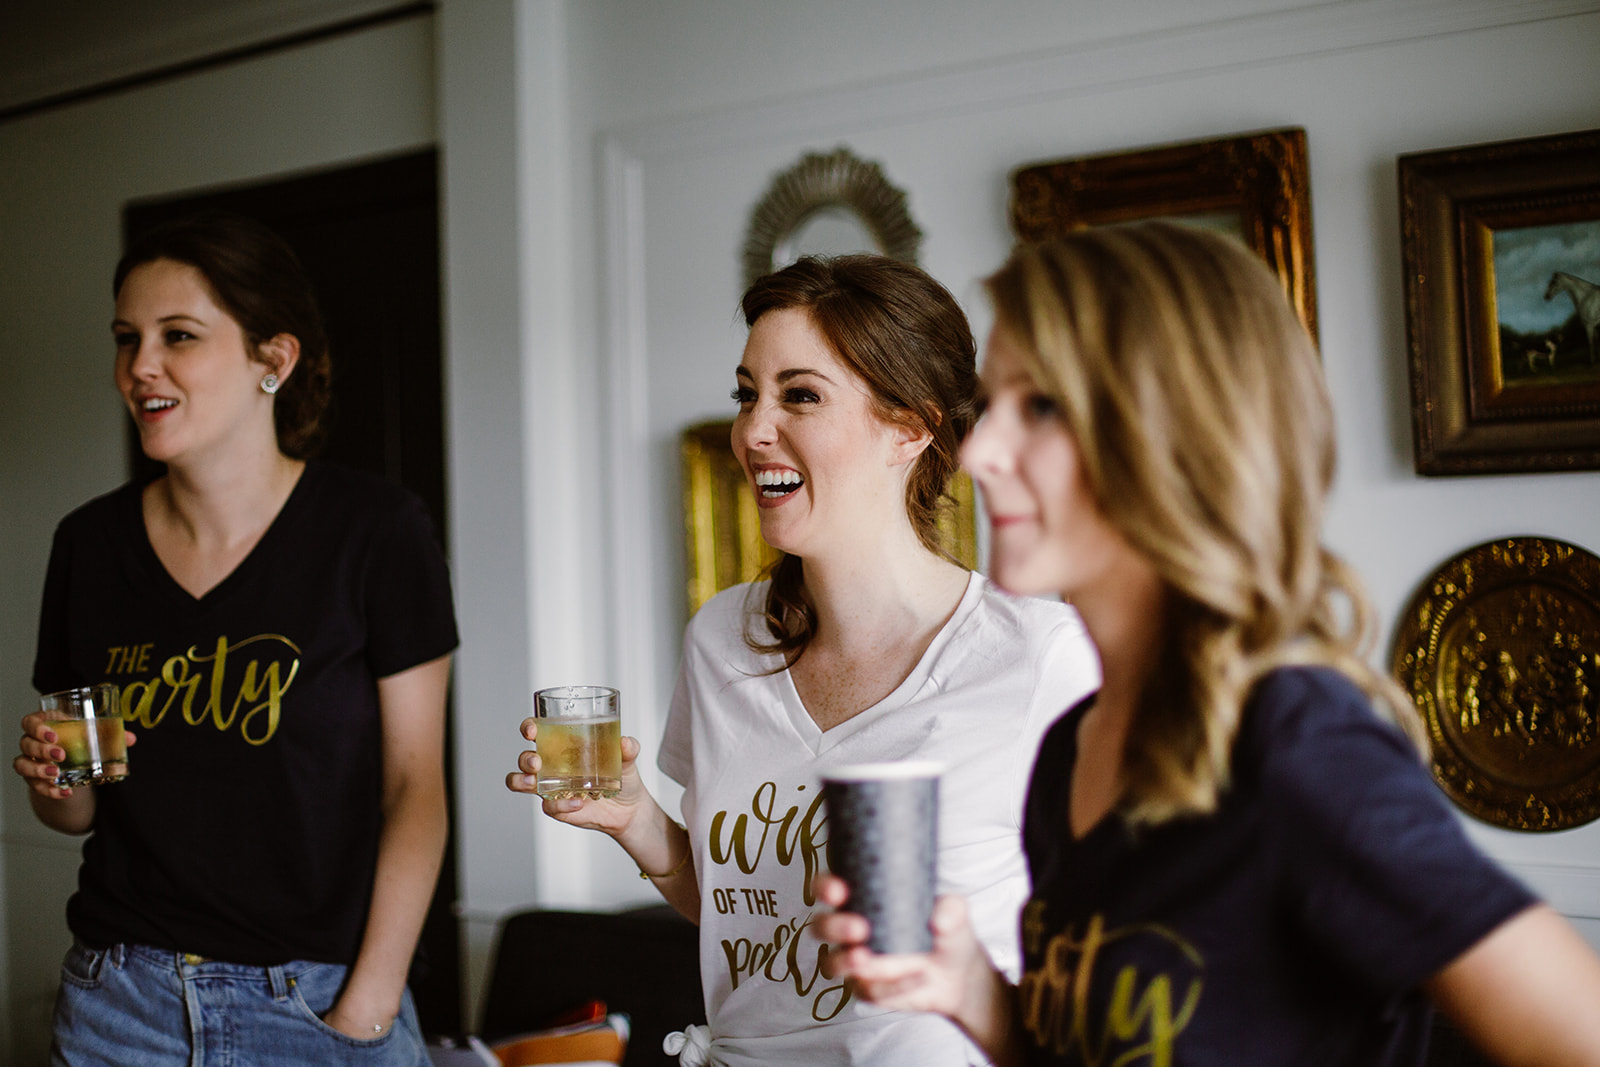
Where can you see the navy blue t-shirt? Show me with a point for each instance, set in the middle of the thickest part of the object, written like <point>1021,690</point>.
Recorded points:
<point>247,828</point>
<point>1292,926</point>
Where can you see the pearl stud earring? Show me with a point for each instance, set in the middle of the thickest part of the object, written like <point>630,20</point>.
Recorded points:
<point>269,384</point>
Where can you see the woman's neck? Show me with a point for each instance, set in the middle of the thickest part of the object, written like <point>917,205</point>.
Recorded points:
<point>222,504</point>
<point>887,593</point>
<point>878,611</point>
<point>1125,615</point>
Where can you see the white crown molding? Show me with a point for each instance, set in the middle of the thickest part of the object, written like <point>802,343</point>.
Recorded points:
<point>1089,67</point>
<point>183,37</point>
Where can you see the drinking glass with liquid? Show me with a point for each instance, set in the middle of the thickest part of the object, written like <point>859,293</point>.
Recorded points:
<point>579,742</point>
<point>89,728</point>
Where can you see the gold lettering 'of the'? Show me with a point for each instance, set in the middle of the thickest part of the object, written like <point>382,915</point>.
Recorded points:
<point>253,701</point>
<point>797,834</point>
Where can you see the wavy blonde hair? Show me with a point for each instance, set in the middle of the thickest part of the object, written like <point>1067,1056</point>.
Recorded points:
<point>1203,423</point>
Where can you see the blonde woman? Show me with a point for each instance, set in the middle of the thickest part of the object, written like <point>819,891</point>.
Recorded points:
<point>1237,855</point>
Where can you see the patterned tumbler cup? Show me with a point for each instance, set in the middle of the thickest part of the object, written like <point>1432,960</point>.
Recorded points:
<point>883,838</point>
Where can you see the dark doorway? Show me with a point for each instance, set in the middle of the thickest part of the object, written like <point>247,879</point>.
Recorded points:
<point>369,237</point>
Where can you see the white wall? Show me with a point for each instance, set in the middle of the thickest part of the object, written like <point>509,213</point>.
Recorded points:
<point>528,571</point>
<point>65,176</point>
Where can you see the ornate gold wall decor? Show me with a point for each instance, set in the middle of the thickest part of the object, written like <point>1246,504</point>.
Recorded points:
<point>1500,650</point>
<point>1255,186</point>
<point>722,525</point>
<point>1505,370</point>
<point>722,529</point>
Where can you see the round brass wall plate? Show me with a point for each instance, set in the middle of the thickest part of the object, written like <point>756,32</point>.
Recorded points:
<point>1500,650</point>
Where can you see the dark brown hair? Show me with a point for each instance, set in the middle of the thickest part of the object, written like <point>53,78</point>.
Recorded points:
<point>907,338</point>
<point>258,280</point>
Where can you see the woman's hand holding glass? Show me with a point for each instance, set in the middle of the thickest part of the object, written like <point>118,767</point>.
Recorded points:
<point>611,815</point>
<point>41,752</point>
<point>632,818</point>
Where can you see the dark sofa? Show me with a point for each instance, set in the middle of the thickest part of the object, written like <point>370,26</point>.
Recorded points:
<point>644,962</point>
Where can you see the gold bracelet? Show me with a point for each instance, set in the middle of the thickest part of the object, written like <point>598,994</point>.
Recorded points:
<point>688,850</point>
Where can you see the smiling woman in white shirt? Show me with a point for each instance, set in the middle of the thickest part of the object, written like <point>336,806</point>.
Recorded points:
<point>865,642</point>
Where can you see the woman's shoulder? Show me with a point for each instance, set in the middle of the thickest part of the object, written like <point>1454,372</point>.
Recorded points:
<point>722,620</point>
<point>335,495</point>
<point>730,606</point>
<point>1043,643</point>
<point>1298,718</point>
<point>1308,698</point>
<point>103,511</point>
<point>717,630</point>
<point>334,483</point>
<point>1029,624</point>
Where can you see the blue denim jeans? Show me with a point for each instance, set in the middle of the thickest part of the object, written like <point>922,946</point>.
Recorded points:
<point>133,1005</point>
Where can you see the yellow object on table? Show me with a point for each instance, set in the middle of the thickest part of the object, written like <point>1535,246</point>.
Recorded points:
<point>586,1045</point>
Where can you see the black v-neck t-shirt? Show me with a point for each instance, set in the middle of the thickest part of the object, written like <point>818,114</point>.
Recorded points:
<point>1293,926</point>
<point>247,828</point>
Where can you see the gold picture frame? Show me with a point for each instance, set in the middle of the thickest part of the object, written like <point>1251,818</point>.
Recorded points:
<point>1501,249</point>
<point>722,525</point>
<point>1256,186</point>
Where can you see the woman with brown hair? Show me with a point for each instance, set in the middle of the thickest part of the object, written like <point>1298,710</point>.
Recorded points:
<point>865,643</point>
<point>1236,855</point>
<point>281,632</point>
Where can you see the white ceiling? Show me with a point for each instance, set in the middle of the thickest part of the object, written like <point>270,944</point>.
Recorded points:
<point>50,47</point>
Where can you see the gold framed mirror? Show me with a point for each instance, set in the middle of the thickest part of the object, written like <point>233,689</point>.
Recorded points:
<point>1254,186</point>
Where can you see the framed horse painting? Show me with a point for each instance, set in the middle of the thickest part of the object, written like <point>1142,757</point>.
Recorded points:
<point>1252,186</point>
<point>1501,248</point>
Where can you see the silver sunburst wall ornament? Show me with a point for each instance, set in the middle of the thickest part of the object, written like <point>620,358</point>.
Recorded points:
<point>822,182</point>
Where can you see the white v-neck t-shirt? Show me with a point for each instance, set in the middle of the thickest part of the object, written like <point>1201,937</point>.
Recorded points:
<point>749,756</point>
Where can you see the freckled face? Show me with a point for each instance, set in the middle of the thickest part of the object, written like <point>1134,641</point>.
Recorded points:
<point>1048,534</point>
<point>183,366</point>
<point>818,456</point>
